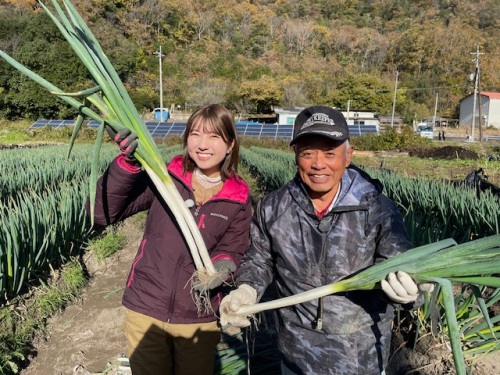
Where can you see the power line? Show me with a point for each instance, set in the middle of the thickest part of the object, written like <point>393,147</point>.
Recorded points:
<point>418,88</point>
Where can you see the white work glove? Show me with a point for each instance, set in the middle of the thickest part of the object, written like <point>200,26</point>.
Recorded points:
<point>244,295</point>
<point>401,288</point>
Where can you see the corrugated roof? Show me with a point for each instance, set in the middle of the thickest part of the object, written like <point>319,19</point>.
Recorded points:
<point>491,95</point>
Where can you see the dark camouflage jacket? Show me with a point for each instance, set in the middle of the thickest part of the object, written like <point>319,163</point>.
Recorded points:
<point>340,334</point>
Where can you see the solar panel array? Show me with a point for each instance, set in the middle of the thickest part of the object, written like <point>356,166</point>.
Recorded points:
<point>246,128</point>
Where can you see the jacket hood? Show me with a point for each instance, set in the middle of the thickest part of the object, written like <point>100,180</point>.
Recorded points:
<point>234,188</point>
<point>358,187</point>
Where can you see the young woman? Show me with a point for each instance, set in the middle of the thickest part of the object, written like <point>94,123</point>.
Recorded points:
<point>165,332</point>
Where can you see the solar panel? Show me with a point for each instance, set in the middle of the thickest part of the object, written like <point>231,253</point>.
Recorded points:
<point>151,127</point>
<point>241,128</point>
<point>285,129</point>
<point>160,129</point>
<point>177,128</point>
<point>269,131</point>
<point>93,124</point>
<point>247,123</point>
<point>38,124</point>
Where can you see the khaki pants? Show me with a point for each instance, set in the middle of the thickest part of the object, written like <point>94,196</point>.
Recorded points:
<point>159,348</point>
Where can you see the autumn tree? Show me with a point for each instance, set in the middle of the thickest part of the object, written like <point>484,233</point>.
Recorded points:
<point>298,35</point>
<point>206,91</point>
<point>255,54</point>
<point>262,93</point>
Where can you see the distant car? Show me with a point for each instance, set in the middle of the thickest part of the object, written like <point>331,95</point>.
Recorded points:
<point>426,131</point>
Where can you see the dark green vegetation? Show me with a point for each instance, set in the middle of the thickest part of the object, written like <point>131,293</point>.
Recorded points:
<point>105,246</point>
<point>253,55</point>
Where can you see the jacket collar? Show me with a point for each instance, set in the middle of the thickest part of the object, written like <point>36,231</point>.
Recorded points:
<point>234,188</point>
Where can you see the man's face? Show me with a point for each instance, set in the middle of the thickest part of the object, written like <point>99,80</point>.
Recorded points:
<point>321,163</point>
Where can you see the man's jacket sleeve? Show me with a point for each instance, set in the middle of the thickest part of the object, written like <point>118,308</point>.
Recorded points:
<point>257,265</point>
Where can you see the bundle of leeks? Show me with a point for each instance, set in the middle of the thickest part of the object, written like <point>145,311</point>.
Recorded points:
<point>443,262</point>
<point>117,111</point>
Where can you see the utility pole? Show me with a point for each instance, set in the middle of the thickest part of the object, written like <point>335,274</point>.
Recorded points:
<point>348,109</point>
<point>480,117</point>
<point>394,100</point>
<point>435,112</point>
<point>160,56</point>
<point>476,85</point>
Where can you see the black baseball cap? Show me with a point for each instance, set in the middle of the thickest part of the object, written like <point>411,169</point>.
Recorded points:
<point>320,120</point>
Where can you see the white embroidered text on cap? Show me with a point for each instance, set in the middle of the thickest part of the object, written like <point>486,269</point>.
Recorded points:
<point>332,134</point>
<point>318,117</point>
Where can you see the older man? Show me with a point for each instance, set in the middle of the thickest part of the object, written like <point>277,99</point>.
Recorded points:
<point>330,222</point>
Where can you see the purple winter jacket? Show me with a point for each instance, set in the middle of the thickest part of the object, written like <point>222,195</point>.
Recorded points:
<point>159,282</point>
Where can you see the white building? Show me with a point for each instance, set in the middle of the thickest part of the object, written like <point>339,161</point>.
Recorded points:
<point>490,109</point>
<point>286,116</point>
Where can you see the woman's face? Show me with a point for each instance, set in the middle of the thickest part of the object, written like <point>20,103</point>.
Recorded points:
<point>207,149</point>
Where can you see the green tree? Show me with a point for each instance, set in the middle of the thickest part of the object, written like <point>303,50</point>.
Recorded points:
<point>364,91</point>
<point>41,48</point>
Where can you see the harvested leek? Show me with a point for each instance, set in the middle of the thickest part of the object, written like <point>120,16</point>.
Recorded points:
<point>442,262</point>
<point>117,111</point>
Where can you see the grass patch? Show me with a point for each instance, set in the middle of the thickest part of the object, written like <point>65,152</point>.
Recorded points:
<point>14,132</point>
<point>139,219</point>
<point>107,244</point>
<point>266,142</point>
<point>26,316</point>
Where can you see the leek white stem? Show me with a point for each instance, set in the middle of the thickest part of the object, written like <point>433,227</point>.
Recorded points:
<point>310,295</point>
<point>184,218</point>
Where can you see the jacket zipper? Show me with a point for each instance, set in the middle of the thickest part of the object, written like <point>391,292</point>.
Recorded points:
<point>176,278</point>
<point>197,211</point>
<point>137,259</point>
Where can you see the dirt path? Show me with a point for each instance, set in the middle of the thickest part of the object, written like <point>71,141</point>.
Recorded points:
<point>90,333</point>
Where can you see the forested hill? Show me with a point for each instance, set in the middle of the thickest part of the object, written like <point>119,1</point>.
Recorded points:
<point>252,55</point>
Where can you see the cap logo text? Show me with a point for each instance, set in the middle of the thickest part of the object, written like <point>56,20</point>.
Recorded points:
<point>318,117</point>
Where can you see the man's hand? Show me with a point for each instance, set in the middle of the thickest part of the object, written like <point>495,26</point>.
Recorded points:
<point>401,288</point>
<point>127,141</point>
<point>244,295</point>
<point>223,268</point>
